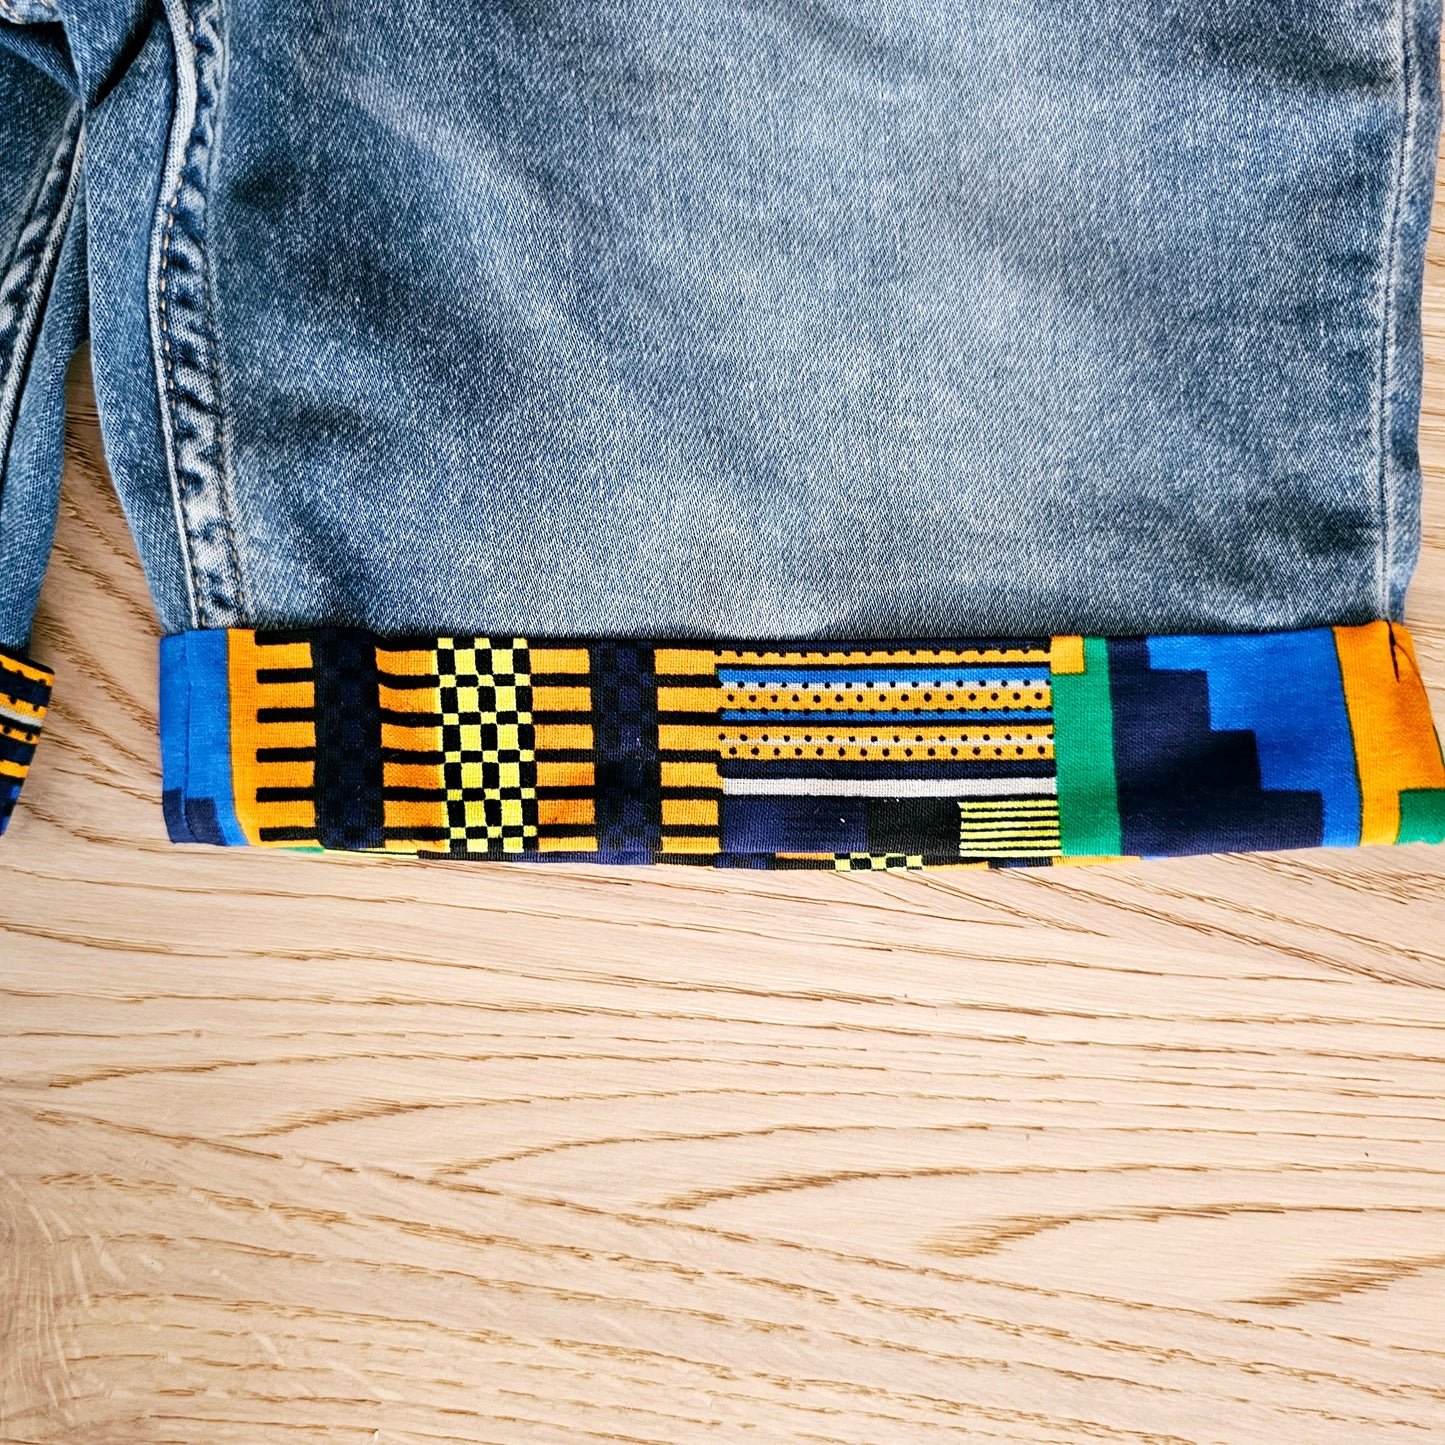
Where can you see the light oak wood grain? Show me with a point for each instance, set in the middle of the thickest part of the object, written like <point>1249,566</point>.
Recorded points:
<point>337,1149</point>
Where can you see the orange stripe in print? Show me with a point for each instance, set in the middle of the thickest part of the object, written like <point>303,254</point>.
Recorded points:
<point>30,670</point>
<point>416,662</point>
<point>564,775</point>
<point>558,659</point>
<point>1395,743</point>
<point>565,810</point>
<point>690,812</point>
<point>550,737</point>
<point>248,696</point>
<point>561,699</point>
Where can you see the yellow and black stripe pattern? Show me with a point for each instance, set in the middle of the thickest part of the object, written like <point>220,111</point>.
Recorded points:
<point>485,747</point>
<point>24,698</point>
<point>1009,827</point>
<point>462,745</point>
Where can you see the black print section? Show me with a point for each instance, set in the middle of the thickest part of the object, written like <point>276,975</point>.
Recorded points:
<point>1184,788</point>
<point>348,739</point>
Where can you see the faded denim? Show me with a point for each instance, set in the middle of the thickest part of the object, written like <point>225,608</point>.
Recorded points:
<point>664,317</point>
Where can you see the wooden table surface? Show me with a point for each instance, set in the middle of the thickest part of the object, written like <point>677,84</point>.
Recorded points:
<point>298,1149</point>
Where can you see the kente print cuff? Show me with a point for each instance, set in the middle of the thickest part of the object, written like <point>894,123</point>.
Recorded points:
<point>808,754</point>
<point>24,696</point>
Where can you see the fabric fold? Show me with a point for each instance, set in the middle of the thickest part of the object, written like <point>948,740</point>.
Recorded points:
<point>799,754</point>
<point>24,697</point>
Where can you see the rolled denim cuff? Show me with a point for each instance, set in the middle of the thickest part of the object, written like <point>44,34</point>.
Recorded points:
<point>24,697</point>
<point>851,755</point>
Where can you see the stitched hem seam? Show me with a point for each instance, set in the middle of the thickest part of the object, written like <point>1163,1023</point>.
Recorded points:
<point>182,326</point>
<point>25,283</point>
<point>1398,360</point>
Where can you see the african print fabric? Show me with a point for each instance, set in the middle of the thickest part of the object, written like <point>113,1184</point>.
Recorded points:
<point>24,696</point>
<point>807,754</point>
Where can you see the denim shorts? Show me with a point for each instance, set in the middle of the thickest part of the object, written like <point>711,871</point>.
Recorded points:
<point>808,434</point>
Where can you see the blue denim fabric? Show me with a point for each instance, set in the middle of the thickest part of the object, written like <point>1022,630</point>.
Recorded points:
<point>663,317</point>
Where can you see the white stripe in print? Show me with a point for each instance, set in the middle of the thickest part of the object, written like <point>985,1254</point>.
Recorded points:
<point>893,787</point>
